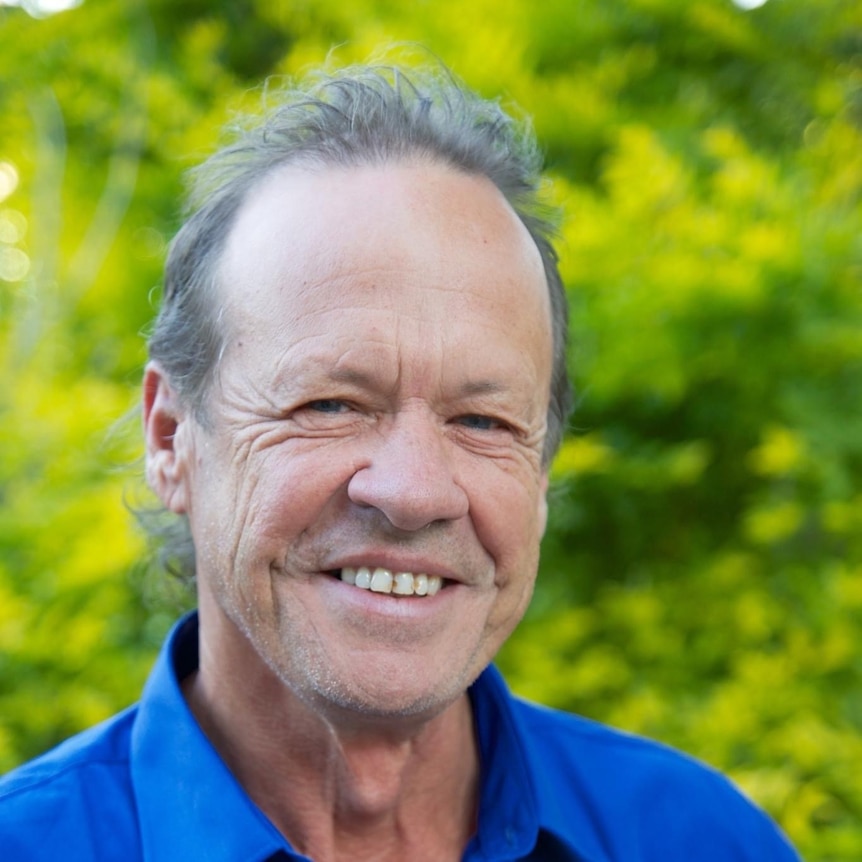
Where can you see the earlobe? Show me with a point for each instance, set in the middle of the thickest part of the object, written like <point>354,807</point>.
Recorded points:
<point>543,503</point>
<point>163,419</point>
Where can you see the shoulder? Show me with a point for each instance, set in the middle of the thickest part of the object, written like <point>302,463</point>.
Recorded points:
<point>64,803</point>
<point>601,756</point>
<point>642,796</point>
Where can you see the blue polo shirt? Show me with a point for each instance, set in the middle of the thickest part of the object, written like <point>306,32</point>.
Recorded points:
<point>148,785</point>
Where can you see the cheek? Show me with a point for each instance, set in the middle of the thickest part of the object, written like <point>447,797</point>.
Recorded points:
<point>276,502</point>
<point>508,516</point>
<point>508,521</point>
<point>514,590</point>
<point>225,509</point>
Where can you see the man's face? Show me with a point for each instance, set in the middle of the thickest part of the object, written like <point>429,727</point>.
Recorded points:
<point>381,404</point>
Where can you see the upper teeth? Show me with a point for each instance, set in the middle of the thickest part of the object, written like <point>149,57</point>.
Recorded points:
<point>381,580</point>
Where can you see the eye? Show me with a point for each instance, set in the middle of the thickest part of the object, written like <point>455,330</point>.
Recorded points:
<point>479,423</point>
<point>327,416</point>
<point>327,405</point>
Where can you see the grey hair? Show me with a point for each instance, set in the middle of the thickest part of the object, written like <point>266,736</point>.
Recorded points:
<point>360,116</point>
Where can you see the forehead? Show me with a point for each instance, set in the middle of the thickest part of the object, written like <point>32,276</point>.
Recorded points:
<point>302,228</point>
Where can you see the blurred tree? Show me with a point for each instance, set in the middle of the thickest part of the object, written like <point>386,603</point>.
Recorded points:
<point>701,574</point>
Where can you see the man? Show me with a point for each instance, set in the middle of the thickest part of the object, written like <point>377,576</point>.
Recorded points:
<point>356,384</point>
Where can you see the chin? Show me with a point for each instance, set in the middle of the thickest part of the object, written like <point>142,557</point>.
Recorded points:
<point>383,699</point>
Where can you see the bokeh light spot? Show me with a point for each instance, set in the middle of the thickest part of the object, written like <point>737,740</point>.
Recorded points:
<point>13,226</point>
<point>42,8</point>
<point>14,264</point>
<point>8,179</point>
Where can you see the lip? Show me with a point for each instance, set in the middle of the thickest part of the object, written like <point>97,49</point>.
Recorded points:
<point>384,606</point>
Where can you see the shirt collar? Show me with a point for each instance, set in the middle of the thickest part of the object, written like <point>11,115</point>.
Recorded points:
<point>520,811</point>
<point>508,818</point>
<point>190,805</point>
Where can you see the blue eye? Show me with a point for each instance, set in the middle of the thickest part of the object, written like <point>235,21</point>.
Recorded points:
<point>479,423</point>
<point>327,405</point>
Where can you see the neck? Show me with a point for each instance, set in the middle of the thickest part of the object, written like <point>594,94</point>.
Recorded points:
<point>338,786</point>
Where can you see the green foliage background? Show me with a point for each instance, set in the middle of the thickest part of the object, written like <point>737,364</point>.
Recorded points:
<point>702,576</point>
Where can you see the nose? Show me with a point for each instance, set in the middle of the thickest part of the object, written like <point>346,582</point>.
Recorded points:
<point>409,476</point>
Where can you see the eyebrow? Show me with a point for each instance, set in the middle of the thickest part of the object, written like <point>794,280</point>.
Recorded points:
<point>363,378</point>
<point>368,376</point>
<point>354,376</point>
<point>482,387</point>
<point>367,380</point>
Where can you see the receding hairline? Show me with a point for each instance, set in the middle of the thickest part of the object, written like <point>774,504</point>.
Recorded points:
<point>314,167</point>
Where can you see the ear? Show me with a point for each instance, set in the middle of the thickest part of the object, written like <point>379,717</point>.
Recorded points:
<point>166,462</point>
<point>543,503</point>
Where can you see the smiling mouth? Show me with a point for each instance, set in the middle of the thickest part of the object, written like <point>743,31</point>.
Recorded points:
<point>380,580</point>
